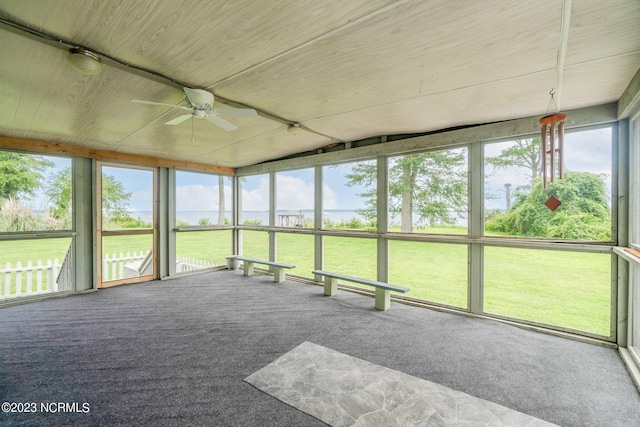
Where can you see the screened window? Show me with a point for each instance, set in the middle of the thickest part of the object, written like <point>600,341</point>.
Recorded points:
<point>349,196</point>
<point>202,199</point>
<point>428,192</point>
<point>634,238</point>
<point>255,244</point>
<point>196,250</point>
<point>35,192</point>
<point>567,289</point>
<point>254,200</point>
<point>295,198</point>
<point>435,272</point>
<point>352,256</point>
<point>297,249</point>
<point>35,266</point>
<point>515,196</point>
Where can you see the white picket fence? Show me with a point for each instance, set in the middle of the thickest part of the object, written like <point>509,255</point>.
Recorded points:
<point>124,265</point>
<point>189,264</point>
<point>45,277</point>
<point>138,263</point>
<point>29,279</point>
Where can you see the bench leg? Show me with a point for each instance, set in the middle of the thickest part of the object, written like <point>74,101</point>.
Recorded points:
<point>279,275</point>
<point>248,268</point>
<point>383,299</point>
<point>330,286</point>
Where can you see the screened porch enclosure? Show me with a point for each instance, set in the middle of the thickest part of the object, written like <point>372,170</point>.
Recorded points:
<point>447,217</point>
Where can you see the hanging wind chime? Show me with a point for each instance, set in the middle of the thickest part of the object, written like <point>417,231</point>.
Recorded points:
<point>552,144</point>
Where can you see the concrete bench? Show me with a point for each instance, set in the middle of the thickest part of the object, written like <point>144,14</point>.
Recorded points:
<point>383,296</point>
<point>278,267</point>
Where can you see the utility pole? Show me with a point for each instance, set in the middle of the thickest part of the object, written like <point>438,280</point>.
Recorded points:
<point>507,188</point>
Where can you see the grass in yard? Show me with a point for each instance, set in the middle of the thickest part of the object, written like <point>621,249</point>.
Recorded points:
<point>33,250</point>
<point>211,246</point>
<point>569,289</point>
<point>255,244</point>
<point>116,245</point>
<point>297,249</point>
<point>435,272</point>
<point>353,256</point>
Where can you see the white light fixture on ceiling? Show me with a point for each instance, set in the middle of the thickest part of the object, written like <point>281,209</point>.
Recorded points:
<point>84,61</point>
<point>294,128</point>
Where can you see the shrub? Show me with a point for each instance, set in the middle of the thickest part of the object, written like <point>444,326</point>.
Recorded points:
<point>16,217</point>
<point>129,222</point>
<point>584,212</point>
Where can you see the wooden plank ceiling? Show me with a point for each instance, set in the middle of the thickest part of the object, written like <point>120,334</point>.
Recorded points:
<point>344,70</point>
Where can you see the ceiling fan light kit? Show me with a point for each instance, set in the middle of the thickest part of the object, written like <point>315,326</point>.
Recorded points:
<point>84,61</point>
<point>201,106</point>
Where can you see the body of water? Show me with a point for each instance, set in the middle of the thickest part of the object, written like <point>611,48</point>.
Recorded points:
<point>333,215</point>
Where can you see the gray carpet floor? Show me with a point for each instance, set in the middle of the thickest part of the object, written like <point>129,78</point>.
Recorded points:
<point>176,352</point>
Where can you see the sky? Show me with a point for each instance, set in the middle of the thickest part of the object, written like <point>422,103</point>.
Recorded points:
<point>584,151</point>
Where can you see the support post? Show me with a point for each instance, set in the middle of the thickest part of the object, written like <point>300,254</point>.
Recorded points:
<point>279,275</point>
<point>330,286</point>
<point>85,274</point>
<point>318,239</point>
<point>248,268</point>
<point>382,218</point>
<point>475,296</point>
<point>383,299</point>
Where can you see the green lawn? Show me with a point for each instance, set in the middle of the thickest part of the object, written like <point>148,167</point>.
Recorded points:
<point>568,289</point>
<point>211,246</point>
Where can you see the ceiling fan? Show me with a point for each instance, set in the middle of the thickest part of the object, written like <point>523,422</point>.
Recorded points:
<point>201,107</point>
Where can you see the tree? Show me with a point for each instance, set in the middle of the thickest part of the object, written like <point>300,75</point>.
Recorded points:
<point>433,185</point>
<point>21,174</point>
<point>58,191</point>
<point>583,214</point>
<point>524,153</point>
<point>115,200</point>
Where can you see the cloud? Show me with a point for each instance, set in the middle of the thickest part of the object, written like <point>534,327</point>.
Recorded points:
<point>294,193</point>
<point>197,197</point>
<point>256,199</point>
<point>329,198</point>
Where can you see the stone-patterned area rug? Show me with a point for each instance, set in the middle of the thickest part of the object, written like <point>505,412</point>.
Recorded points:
<point>342,390</point>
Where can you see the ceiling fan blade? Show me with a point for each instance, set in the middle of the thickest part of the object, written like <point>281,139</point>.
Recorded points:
<point>179,119</point>
<point>138,101</point>
<point>237,112</point>
<point>222,123</point>
<point>198,97</point>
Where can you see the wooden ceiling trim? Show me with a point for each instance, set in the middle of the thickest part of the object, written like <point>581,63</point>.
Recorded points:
<point>48,147</point>
<point>629,103</point>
